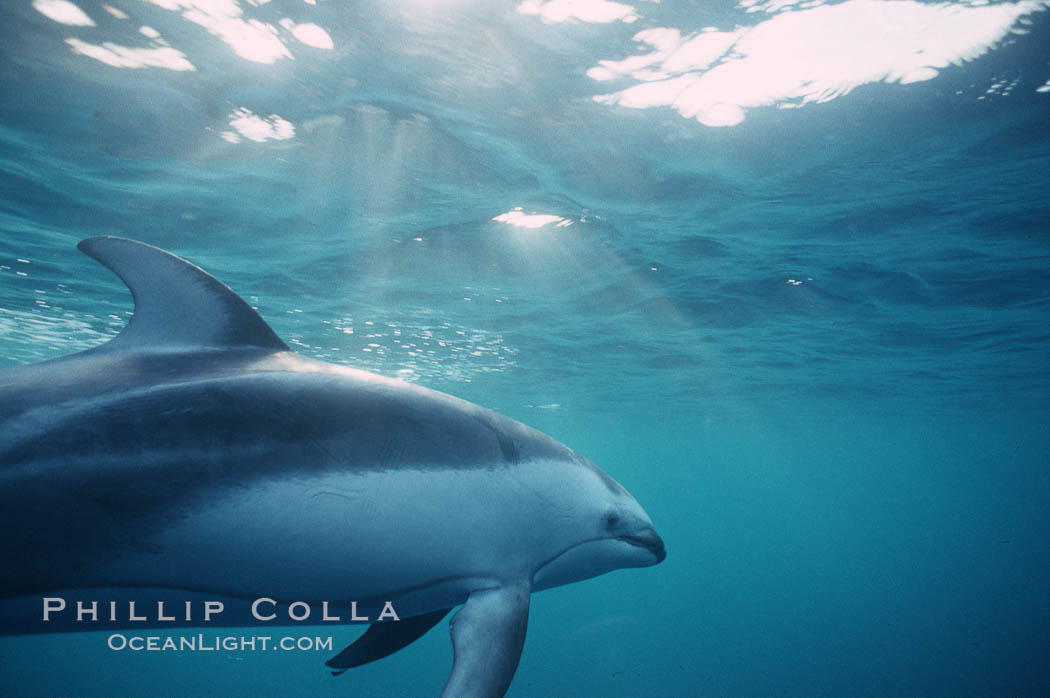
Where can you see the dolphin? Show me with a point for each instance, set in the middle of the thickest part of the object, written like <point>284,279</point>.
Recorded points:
<point>194,457</point>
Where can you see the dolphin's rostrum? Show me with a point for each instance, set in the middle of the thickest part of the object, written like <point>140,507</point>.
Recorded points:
<point>194,456</point>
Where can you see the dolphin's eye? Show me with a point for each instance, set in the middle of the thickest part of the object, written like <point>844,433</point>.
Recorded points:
<point>611,519</point>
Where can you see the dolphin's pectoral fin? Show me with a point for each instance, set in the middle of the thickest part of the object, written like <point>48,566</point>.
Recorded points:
<point>177,303</point>
<point>487,636</point>
<point>383,639</point>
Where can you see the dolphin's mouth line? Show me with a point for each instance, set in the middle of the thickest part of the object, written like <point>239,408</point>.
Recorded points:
<point>656,547</point>
<point>651,543</point>
<point>640,542</point>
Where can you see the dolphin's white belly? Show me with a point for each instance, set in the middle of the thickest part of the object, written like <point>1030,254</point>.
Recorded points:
<point>427,536</point>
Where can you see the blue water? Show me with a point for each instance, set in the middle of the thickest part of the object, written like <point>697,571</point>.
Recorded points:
<point>807,325</point>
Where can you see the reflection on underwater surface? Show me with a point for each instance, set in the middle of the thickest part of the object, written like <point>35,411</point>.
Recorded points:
<point>810,55</point>
<point>813,341</point>
<point>803,53</point>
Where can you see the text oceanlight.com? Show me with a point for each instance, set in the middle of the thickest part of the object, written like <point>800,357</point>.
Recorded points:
<point>219,643</point>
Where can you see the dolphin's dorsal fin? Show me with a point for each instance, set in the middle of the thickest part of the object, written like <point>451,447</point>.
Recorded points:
<point>177,303</point>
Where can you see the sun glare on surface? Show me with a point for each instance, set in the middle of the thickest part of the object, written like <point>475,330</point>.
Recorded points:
<point>804,56</point>
<point>63,12</point>
<point>520,219</point>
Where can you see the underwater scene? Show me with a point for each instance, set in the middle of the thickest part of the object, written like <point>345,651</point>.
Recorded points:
<point>780,268</point>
